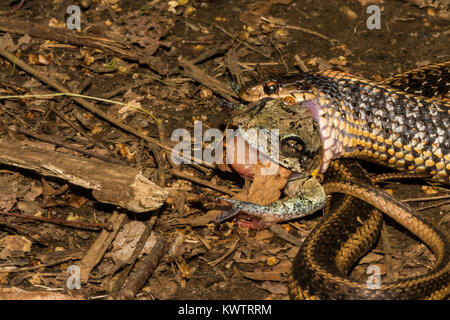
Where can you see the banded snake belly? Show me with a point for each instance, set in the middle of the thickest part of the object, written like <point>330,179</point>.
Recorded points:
<point>356,118</point>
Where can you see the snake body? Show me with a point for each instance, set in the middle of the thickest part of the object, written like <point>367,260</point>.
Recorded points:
<point>367,120</point>
<point>406,130</point>
<point>349,229</point>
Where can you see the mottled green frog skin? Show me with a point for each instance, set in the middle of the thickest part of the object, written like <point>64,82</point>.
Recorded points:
<point>297,147</point>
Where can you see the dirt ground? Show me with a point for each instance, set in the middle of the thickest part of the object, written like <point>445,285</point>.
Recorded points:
<point>140,65</point>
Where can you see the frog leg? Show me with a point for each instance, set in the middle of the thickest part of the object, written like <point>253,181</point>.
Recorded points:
<point>309,198</point>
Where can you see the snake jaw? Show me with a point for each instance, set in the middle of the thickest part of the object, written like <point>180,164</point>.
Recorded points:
<point>252,93</point>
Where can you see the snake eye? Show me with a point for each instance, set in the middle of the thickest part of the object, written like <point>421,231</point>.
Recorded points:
<point>271,87</point>
<point>292,147</point>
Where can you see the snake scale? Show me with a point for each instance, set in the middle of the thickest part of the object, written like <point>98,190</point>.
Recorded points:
<point>402,123</point>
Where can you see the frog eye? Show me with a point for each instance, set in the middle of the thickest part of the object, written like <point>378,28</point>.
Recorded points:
<point>271,87</point>
<point>292,147</point>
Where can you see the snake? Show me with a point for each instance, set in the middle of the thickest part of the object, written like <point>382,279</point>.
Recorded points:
<point>401,123</point>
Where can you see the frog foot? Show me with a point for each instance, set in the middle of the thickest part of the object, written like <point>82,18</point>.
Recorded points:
<point>246,215</point>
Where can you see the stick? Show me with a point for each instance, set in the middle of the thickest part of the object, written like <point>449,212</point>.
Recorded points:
<point>76,224</point>
<point>66,145</point>
<point>144,271</point>
<point>387,248</point>
<point>215,85</point>
<point>75,256</point>
<point>111,183</point>
<point>98,248</point>
<point>139,246</point>
<point>305,30</point>
<point>79,39</point>
<point>205,183</point>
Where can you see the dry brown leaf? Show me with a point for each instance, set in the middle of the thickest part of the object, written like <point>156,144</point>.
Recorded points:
<point>202,220</point>
<point>285,2</point>
<point>7,201</point>
<point>14,245</point>
<point>265,189</point>
<point>77,201</point>
<point>263,234</point>
<point>35,191</point>
<point>29,208</point>
<point>371,258</point>
<point>292,253</point>
<point>348,12</point>
<point>275,288</point>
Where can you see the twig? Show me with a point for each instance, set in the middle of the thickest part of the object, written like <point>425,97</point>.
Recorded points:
<point>233,37</point>
<point>300,63</point>
<point>147,80</point>
<point>76,256</point>
<point>73,125</point>
<point>57,142</point>
<point>300,11</point>
<point>280,232</point>
<point>98,248</point>
<point>110,183</point>
<point>196,42</point>
<point>26,232</point>
<point>127,87</point>
<point>433,205</point>
<point>10,12</point>
<point>144,271</point>
<point>387,248</point>
<point>77,224</point>
<point>214,51</point>
<point>70,94</point>
<point>63,35</point>
<point>139,246</point>
<point>305,30</point>
<point>229,251</point>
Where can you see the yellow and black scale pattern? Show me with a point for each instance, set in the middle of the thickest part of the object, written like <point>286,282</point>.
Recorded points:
<point>363,119</point>
<point>350,228</point>
<point>432,81</point>
<point>352,224</point>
